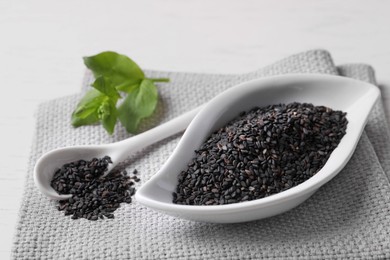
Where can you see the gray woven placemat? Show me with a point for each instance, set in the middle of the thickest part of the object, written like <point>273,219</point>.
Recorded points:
<point>348,218</point>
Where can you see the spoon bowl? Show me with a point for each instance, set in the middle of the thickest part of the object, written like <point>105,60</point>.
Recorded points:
<point>339,93</point>
<point>48,163</point>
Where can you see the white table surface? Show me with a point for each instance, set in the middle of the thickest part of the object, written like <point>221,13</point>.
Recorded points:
<point>42,42</point>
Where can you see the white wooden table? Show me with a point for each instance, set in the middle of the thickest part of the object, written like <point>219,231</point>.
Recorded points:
<point>42,42</point>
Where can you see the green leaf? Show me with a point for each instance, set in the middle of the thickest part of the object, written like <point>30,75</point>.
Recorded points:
<point>107,113</point>
<point>86,110</point>
<point>139,103</point>
<point>88,120</point>
<point>127,88</point>
<point>120,69</point>
<point>105,85</point>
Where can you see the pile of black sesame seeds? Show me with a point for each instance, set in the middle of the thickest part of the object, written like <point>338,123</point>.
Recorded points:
<point>94,196</point>
<point>262,152</point>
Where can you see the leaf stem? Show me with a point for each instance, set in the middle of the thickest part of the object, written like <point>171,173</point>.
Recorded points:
<point>159,79</point>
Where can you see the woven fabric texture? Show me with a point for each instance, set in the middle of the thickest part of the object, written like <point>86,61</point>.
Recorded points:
<point>348,218</point>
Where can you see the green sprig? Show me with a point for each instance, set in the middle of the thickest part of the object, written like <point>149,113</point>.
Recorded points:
<point>115,73</point>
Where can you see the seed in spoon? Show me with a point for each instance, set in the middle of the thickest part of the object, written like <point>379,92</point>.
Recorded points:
<point>262,152</point>
<point>94,195</point>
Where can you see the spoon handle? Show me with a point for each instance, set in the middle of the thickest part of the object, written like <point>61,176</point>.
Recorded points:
<point>125,148</point>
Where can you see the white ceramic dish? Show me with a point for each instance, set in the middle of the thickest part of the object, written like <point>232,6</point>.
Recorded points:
<point>354,97</point>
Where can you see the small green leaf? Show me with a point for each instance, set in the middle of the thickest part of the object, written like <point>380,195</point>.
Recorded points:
<point>139,103</point>
<point>107,113</point>
<point>88,120</point>
<point>86,110</point>
<point>121,70</point>
<point>126,87</point>
<point>104,85</point>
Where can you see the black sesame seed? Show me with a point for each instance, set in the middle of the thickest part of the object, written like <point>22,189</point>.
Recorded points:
<point>94,195</point>
<point>262,152</point>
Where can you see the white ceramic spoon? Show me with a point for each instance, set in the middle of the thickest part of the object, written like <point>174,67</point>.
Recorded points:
<point>119,151</point>
<point>354,97</point>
